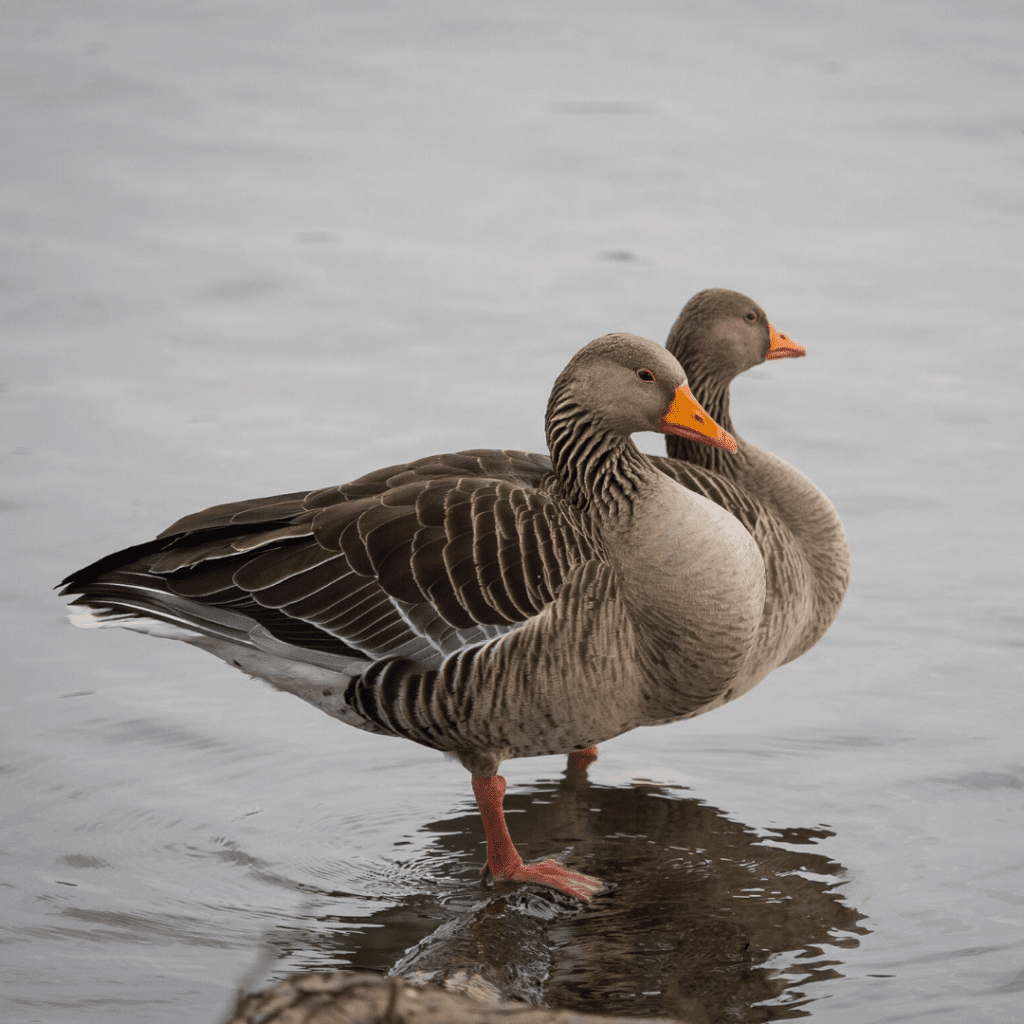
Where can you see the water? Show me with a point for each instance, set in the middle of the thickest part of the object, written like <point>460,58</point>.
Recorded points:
<point>248,250</point>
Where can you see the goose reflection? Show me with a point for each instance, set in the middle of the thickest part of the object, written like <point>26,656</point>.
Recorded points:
<point>706,919</point>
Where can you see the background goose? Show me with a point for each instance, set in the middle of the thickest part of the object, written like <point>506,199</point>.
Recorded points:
<point>718,335</point>
<point>487,604</point>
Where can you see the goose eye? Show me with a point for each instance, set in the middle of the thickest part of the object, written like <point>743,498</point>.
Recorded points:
<point>646,376</point>
<point>751,316</point>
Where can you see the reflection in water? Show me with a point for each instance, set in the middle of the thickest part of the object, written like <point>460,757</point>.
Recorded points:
<point>705,918</point>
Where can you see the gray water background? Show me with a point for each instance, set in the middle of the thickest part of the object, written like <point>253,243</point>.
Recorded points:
<point>254,247</point>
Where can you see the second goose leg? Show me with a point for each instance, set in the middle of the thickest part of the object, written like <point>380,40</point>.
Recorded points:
<point>583,759</point>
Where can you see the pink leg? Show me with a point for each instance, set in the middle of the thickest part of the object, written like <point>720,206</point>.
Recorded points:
<point>583,759</point>
<point>503,860</point>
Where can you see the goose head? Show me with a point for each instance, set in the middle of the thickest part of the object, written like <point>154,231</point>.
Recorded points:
<point>622,384</point>
<point>720,333</point>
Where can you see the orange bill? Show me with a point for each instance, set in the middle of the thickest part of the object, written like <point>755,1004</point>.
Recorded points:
<point>782,347</point>
<point>686,418</point>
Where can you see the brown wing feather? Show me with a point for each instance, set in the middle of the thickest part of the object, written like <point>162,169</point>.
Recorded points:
<point>278,508</point>
<point>447,549</point>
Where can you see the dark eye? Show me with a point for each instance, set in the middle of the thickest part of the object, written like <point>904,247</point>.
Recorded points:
<point>751,316</point>
<point>646,376</point>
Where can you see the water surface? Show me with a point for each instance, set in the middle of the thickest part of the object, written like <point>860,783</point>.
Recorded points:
<point>248,250</point>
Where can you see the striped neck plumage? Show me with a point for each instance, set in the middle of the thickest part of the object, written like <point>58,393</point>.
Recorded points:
<point>599,471</point>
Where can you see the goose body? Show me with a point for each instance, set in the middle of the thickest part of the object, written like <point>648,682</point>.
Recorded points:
<point>487,604</point>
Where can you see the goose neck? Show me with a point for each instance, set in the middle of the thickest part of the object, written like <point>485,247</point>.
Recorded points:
<point>602,473</point>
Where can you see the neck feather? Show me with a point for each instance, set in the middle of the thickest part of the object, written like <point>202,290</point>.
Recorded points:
<point>600,472</point>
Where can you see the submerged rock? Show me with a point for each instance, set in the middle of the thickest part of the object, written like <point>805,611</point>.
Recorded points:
<point>360,997</point>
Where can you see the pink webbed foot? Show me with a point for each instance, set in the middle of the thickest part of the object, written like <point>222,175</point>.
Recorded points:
<point>553,875</point>
<point>583,759</point>
<point>503,860</point>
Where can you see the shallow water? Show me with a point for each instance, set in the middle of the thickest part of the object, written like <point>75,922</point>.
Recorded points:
<point>248,250</point>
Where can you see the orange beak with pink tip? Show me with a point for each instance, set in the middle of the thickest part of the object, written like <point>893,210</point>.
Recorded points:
<point>687,419</point>
<point>782,347</point>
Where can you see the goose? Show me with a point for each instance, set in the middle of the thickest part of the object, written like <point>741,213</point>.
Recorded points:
<point>720,333</point>
<point>487,604</point>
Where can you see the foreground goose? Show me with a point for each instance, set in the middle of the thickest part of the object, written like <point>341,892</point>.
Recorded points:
<point>718,335</point>
<point>488,604</point>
